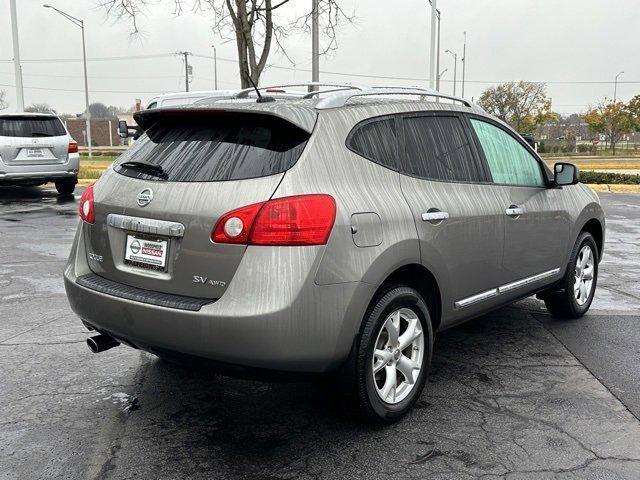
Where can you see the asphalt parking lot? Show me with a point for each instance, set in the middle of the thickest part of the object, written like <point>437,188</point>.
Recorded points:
<point>514,394</point>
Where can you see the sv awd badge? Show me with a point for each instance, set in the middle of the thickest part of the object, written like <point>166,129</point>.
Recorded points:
<point>207,281</point>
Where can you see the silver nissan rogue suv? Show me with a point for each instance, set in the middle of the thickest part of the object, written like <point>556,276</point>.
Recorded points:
<point>333,232</point>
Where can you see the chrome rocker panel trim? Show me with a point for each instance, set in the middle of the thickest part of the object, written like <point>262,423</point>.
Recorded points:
<point>494,292</point>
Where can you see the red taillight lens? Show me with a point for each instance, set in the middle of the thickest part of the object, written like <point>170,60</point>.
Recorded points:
<point>86,207</point>
<point>301,220</point>
<point>287,221</point>
<point>73,147</point>
<point>234,227</point>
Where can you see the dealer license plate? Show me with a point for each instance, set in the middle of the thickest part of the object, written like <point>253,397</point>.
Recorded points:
<point>146,253</point>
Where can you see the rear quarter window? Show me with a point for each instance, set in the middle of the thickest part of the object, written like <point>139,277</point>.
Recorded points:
<point>376,140</point>
<point>216,146</point>
<point>27,126</point>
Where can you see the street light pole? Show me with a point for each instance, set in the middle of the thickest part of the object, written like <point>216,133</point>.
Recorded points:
<point>87,116</point>
<point>16,57</point>
<point>455,69</point>
<point>615,88</point>
<point>441,74</point>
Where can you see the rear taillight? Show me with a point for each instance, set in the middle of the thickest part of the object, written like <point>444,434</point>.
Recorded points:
<point>234,227</point>
<point>86,207</point>
<point>287,221</point>
<point>73,147</point>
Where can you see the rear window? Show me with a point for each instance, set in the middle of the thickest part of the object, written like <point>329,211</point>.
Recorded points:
<point>31,127</point>
<point>215,147</point>
<point>437,148</point>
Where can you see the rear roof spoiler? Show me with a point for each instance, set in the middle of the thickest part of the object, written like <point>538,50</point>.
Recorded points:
<point>302,118</point>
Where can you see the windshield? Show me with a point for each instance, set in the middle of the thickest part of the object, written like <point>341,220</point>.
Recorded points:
<point>27,126</point>
<point>215,147</point>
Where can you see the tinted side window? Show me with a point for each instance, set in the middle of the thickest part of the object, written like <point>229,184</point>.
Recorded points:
<point>437,148</point>
<point>377,141</point>
<point>215,147</point>
<point>510,163</point>
<point>29,126</point>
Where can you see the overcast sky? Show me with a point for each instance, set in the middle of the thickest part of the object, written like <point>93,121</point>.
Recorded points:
<point>537,40</point>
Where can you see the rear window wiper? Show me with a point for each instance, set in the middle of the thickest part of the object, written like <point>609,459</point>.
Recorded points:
<point>41,134</point>
<point>148,168</point>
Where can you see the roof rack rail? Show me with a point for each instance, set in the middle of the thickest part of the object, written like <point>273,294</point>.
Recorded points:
<point>340,99</point>
<point>339,86</point>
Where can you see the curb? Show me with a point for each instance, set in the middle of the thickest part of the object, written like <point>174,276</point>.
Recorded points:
<point>614,188</point>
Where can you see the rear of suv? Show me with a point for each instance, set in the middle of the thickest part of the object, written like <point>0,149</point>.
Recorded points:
<point>35,148</point>
<point>333,235</point>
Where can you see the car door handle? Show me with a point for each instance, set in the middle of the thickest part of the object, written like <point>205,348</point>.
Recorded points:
<point>514,211</point>
<point>434,216</point>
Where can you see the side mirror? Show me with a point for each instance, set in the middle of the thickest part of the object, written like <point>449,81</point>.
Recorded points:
<point>565,174</point>
<point>123,129</point>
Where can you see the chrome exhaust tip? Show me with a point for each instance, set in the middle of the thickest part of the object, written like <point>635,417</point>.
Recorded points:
<point>102,342</point>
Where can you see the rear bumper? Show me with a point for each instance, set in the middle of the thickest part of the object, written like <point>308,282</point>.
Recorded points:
<point>44,173</point>
<point>288,323</point>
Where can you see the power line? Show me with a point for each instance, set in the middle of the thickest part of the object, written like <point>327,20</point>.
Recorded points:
<point>110,77</point>
<point>95,59</point>
<point>157,92</point>
<point>325,72</point>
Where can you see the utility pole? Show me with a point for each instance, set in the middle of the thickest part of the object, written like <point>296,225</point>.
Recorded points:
<point>615,88</point>
<point>16,57</point>
<point>455,69</point>
<point>215,68</point>
<point>464,61</point>
<point>86,91</point>
<point>315,43</point>
<point>186,70</point>
<point>432,47</point>
<point>438,51</point>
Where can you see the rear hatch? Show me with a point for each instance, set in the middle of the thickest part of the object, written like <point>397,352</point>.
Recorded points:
<point>156,208</point>
<point>32,140</point>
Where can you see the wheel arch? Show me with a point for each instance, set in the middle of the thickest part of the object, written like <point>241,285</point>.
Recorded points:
<point>422,280</point>
<point>595,228</point>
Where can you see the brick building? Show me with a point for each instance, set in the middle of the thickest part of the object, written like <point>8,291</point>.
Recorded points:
<point>104,133</point>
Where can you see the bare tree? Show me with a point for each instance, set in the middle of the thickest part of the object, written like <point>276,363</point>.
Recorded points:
<point>3,102</point>
<point>256,25</point>
<point>99,111</point>
<point>39,108</point>
<point>523,105</point>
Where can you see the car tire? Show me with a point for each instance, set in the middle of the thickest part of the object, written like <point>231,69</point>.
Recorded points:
<point>66,186</point>
<point>574,296</point>
<point>399,307</point>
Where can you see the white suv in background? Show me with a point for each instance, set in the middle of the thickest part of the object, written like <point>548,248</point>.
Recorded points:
<point>36,148</point>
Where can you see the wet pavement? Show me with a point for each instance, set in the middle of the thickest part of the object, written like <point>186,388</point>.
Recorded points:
<point>514,394</point>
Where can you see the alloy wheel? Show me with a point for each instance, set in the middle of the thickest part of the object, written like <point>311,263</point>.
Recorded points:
<point>398,355</point>
<point>585,269</point>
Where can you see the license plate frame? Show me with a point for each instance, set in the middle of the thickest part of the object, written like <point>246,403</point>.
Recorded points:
<point>146,252</point>
<point>35,152</point>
